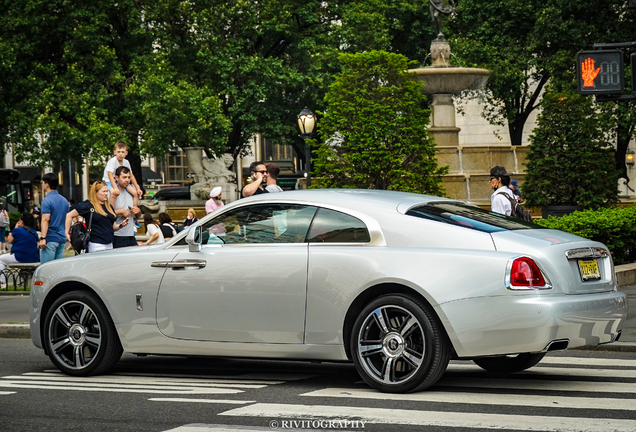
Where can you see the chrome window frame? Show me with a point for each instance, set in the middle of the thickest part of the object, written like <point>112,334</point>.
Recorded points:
<point>373,227</point>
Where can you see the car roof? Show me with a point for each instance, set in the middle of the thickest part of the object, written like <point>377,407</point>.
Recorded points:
<point>348,198</point>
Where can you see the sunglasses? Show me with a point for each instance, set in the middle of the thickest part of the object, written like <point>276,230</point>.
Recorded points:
<point>262,172</point>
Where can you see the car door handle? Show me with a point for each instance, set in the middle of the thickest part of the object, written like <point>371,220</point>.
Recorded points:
<point>180,264</point>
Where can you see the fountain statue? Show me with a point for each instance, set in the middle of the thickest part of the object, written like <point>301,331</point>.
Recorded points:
<point>209,173</point>
<point>442,82</point>
<point>437,7</point>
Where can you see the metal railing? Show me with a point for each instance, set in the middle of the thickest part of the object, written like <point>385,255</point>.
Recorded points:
<point>17,277</point>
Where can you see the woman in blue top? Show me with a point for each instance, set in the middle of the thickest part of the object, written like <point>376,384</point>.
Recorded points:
<point>24,244</point>
<point>103,225</point>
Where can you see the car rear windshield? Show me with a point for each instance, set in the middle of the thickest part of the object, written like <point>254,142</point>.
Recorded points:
<point>469,216</point>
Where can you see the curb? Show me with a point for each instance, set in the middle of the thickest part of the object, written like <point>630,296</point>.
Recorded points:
<point>15,331</point>
<point>614,347</point>
<point>626,274</point>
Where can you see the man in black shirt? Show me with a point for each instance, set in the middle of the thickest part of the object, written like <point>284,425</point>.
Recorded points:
<point>259,178</point>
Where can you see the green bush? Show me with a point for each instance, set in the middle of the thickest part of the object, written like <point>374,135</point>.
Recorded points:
<point>615,227</point>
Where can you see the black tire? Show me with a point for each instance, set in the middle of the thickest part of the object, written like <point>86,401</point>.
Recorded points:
<point>80,336</point>
<point>509,364</point>
<point>405,350</point>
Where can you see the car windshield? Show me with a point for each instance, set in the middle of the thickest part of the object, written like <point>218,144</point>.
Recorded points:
<point>469,216</point>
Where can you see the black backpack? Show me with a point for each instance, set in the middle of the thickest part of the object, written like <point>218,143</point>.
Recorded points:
<point>517,210</point>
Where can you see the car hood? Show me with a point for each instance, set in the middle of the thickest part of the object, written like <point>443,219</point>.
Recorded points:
<point>549,247</point>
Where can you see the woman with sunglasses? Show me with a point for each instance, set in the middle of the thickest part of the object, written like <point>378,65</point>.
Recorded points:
<point>103,224</point>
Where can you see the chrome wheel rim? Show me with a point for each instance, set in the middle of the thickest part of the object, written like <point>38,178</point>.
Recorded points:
<point>391,345</point>
<point>75,335</point>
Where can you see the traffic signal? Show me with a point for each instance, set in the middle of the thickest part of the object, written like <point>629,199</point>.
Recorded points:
<point>600,72</point>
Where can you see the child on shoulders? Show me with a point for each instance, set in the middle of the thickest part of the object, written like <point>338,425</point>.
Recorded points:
<point>121,150</point>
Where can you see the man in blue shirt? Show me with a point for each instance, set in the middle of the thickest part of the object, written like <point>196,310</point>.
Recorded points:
<point>54,209</point>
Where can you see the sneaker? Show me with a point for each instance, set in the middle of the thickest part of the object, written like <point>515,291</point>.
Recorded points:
<point>137,224</point>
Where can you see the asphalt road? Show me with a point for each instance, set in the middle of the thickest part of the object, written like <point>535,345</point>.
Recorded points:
<point>14,309</point>
<point>571,391</point>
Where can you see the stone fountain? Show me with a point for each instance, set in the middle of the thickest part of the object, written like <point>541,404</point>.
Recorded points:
<point>442,82</point>
<point>209,173</point>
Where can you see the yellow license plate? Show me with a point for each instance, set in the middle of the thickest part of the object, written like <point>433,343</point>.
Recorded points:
<point>589,270</point>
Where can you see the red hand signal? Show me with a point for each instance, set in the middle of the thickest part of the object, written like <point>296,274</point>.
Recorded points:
<point>588,73</point>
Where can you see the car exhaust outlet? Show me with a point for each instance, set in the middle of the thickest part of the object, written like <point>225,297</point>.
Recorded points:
<point>557,345</point>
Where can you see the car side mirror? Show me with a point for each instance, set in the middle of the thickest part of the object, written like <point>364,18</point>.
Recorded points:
<point>193,239</point>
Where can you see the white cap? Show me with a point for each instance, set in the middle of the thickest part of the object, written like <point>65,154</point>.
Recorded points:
<point>215,192</point>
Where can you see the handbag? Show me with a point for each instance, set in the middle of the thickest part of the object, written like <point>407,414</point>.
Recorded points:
<point>81,235</point>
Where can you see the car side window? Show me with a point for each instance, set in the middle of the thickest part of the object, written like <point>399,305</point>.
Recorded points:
<point>260,223</point>
<point>330,226</point>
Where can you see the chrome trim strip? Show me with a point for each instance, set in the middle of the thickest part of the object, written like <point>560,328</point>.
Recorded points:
<point>187,263</point>
<point>588,252</point>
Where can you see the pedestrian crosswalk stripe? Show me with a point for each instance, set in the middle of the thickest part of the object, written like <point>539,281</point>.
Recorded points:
<point>481,399</point>
<point>590,361</point>
<point>116,388</point>
<point>218,428</point>
<point>6,392</point>
<point>527,384</point>
<point>118,383</point>
<point>140,380</point>
<point>215,401</point>
<point>546,370</point>
<point>435,418</point>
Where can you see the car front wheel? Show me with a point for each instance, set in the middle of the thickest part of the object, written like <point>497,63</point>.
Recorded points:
<point>80,335</point>
<point>399,345</point>
<point>509,364</point>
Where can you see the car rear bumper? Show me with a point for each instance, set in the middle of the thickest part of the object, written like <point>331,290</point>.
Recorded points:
<point>529,323</point>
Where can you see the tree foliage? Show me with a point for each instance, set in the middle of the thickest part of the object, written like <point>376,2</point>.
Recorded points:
<point>374,131</point>
<point>77,76</point>
<point>570,160</point>
<point>528,43</point>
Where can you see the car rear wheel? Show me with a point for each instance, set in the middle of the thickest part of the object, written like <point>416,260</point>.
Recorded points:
<point>80,335</point>
<point>509,364</point>
<point>399,345</point>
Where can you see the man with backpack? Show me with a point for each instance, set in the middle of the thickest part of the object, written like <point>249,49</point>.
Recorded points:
<point>503,199</point>
<point>499,181</point>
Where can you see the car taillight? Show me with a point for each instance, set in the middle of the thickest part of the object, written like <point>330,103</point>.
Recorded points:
<point>525,273</point>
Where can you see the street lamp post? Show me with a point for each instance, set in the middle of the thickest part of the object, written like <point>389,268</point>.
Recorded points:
<point>306,123</point>
<point>629,157</point>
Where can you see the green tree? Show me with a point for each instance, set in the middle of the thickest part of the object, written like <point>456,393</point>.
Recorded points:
<point>570,160</point>
<point>526,43</point>
<point>374,131</point>
<point>78,76</point>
